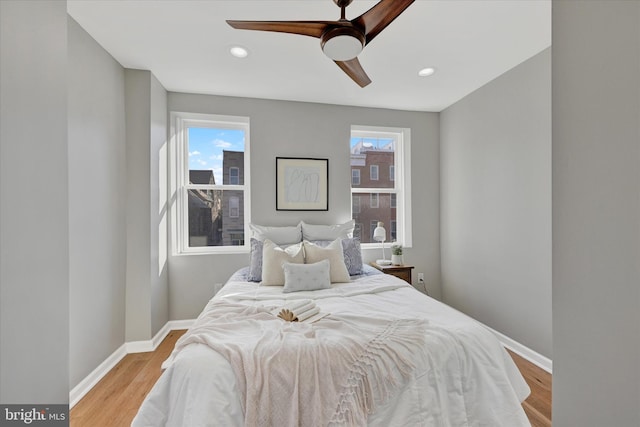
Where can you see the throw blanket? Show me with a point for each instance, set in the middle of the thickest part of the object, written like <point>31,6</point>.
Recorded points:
<point>332,372</point>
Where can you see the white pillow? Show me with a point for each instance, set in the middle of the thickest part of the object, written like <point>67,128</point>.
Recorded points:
<point>333,252</point>
<point>328,232</point>
<point>306,277</point>
<point>278,235</point>
<point>272,259</point>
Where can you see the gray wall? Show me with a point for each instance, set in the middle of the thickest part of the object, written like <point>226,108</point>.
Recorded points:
<point>496,204</point>
<point>117,231</point>
<point>97,189</point>
<point>147,307</point>
<point>34,215</point>
<point>596,213</point>
<point>282,128</point>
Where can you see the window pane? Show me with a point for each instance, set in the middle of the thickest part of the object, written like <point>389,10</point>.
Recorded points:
<point>234,175</point>
<point>234,207</point>
<point>373,172</point>
<point>373,158</point>
<point>355,177</point>
<point>370,216</point>
<point>216,217</point>
<point>212,152</point>
<point>355,203</point>
<point>374,200</point>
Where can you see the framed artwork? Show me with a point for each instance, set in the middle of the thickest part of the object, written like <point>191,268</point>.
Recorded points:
<point>302,184</point>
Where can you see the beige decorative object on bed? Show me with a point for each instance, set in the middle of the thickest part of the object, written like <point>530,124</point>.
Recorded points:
<point>300,311</point>
<point>287,315</point>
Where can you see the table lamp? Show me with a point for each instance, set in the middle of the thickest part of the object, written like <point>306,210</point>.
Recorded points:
<point>380,235</point>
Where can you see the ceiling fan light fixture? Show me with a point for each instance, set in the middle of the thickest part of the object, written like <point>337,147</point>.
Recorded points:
<point>342,43</point>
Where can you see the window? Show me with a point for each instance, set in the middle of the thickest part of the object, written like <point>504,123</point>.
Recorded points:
<point>355,203</point>
<point>234,175</point>
<point>373,172</point>
<point>210,162</point>
<point>382,149</point>
<point>355,176</point>
<point>237,239</point>
<point>234,207</point>
<point>374,200</point>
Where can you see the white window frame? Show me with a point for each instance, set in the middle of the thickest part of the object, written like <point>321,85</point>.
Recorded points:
<point>402,175</point>
<point>392,172</point>
<point>179,183</point>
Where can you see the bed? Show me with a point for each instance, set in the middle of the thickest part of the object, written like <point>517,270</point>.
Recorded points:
<point>376,352</point>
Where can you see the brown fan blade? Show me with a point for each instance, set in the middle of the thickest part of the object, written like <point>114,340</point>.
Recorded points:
<point>354,70</point>
<point>379,16</point>
<point>305,28</point>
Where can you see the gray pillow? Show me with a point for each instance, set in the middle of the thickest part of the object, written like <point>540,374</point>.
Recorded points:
<point>352,256</point>
<point>306,277</point>
<point>255,261</point>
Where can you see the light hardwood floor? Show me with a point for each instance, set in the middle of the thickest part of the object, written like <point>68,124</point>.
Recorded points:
<point>115,400</point>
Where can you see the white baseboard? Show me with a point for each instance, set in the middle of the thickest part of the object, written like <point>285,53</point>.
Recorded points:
<point>96,375</point>
<point>524,351</point>
<point>84,386</point>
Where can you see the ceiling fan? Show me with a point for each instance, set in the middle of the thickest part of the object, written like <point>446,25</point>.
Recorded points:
<point>341,40</point>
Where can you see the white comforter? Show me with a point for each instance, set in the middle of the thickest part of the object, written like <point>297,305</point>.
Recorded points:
<point>463,378</point>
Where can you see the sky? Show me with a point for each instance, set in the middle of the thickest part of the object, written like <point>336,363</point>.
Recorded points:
<point>206,145</point>
<point>374,141</point>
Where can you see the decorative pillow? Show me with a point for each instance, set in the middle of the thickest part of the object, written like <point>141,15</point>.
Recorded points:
<point>278,235</point>
<point>327,232</point>
<point>255,261</point>
<point>333,252</point>
<point>352,254</point>
<point>273,257</point>
<point>306,277</point>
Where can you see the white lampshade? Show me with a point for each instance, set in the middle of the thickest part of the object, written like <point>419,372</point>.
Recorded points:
<point>379,233</point>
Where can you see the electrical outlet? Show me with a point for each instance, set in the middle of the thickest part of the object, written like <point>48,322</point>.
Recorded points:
<point>421,281</point>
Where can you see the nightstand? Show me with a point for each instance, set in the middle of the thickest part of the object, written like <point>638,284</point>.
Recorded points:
<point>401,271</point>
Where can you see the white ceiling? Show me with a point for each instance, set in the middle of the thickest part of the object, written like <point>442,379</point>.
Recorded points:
<point>186,45</point>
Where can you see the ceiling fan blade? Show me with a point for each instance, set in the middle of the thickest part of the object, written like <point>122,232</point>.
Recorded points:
<point>305,28</point>
<point>354,70</point>
<point>379,16</point>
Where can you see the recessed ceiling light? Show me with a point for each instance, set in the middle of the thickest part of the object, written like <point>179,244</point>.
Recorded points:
<point>426,71</point>
<point>239,51</point>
